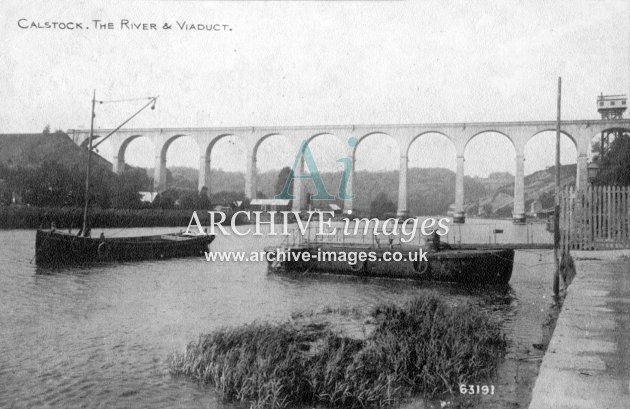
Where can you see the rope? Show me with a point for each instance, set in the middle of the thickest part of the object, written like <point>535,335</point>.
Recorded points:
<point>113,101</point>
<point>522,264</point>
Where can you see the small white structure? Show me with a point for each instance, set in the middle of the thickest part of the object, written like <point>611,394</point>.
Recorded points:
<point>612,106</point>
<point>270,204</point>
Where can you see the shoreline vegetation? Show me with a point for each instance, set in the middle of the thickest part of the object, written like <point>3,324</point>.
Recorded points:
<point>31,217</point>
<point>423,348</point>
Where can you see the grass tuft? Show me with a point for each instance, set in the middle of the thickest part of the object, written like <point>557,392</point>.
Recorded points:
<point>424,347</point>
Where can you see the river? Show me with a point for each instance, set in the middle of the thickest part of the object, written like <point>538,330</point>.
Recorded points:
<point>100,336</point>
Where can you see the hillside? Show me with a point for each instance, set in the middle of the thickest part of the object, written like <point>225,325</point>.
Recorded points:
<point>430,191</point>
<point>31,150</point>
<point>539,186</point>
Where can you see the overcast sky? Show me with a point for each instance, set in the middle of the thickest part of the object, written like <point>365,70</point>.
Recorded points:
<point>305,63</point>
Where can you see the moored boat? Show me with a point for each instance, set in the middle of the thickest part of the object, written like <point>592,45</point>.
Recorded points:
<point>468,266</point>
<point>57,248</point>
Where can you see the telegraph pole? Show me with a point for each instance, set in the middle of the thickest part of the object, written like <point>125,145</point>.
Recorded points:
<point>556,213</point>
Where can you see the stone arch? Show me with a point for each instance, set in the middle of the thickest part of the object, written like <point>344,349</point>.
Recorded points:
<point>122,149</point>
<point>160,172</point>
<point>384,160</point>
<point>326,148</point>
<point>528,144</point>
<point>252,165</point>
<point>330,162</point>
<point>415,201</point>
<point>361,138</point>
<point>318,134</point>
<point>512,144</point>
<point>424,133</point>
<point>476,134</point>
<point>486,162</point>
<point>565,133</point>
<point>213,142</point>
<point>591,137</point>
<point>205,165</point>
<point>261,140</point>
<point>167,143</point>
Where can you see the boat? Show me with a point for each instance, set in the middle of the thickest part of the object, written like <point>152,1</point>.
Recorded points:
<point>58,248</point>
<point>470,266</point>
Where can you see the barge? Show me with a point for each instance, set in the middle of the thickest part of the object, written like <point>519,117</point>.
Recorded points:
<point>471,266</point>
<point>57,248</point>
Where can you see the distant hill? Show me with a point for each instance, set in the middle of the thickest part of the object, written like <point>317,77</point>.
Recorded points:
<point>430,191</point>
<point>539,186</point>
<point>30,150</point>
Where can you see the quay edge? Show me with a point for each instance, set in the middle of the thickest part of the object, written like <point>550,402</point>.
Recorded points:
<point>587,363</point>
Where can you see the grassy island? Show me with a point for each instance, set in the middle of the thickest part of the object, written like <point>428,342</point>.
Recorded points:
<point>424,347</point>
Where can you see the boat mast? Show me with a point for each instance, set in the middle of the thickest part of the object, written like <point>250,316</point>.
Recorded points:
<point>89,166</point>
<point>91,147</point>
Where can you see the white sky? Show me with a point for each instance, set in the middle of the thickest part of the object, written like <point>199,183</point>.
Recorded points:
<point>305,63</point>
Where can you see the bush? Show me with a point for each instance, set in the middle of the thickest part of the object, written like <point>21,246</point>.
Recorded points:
<point>29,217</point>
<point>424,347</point>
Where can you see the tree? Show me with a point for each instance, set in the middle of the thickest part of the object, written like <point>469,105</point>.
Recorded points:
<point>126,192</point>
<point>50,185</point>
<point>615,164</point>
<point>282,180</point>
<point>166,199</point>
<point>486,209</point>
<point>227,198</point>
<point>381,206</point>
<point>189,200</point>
<point>204,199</point>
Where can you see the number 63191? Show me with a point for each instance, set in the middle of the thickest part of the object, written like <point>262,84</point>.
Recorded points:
<point>476,389</point>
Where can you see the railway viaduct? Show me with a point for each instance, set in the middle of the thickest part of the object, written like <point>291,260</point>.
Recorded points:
<point>581,132</point>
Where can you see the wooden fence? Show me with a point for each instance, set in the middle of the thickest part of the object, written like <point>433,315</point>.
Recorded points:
<point>595,218</point>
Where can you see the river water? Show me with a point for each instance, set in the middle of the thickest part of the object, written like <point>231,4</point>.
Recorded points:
<point>100,336</point>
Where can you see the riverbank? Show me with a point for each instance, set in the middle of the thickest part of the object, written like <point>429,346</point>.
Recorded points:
<point>587,363</point>
<point>28,217</point>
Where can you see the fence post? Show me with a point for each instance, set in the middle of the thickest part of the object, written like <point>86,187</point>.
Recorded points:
<point>591,209</point>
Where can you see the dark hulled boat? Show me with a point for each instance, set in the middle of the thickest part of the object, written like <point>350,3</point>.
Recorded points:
<point>56,248</point>
<point>470,266</point>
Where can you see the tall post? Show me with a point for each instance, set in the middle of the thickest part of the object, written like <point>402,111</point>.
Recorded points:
<point>88,170</point>
<point>250,176</point>
<point>581,180</point>
<point>347,204</point>
<point>518,215</point>
<point>460,214</point>
<point>402,186</point>
<point>204,172</point>
<point>298,187</point>
<point>118,165</point>
<point>556,215</point>
<point>159,170</point>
